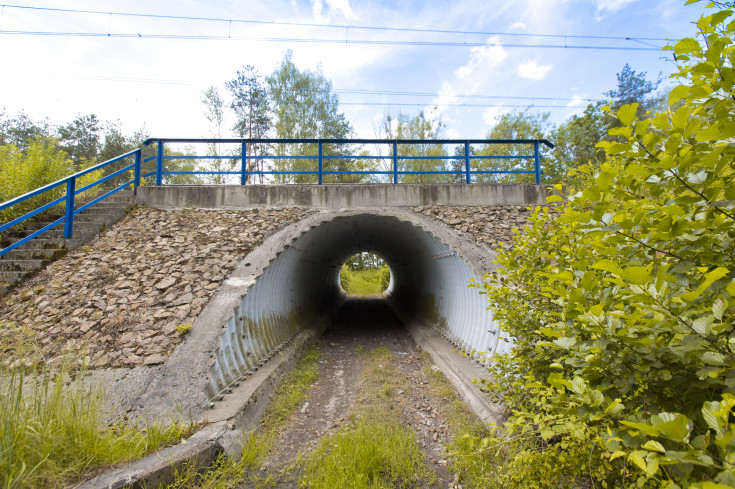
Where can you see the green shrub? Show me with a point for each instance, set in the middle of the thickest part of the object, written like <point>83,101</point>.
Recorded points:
<point>43,162</point>
<point>623,308</point>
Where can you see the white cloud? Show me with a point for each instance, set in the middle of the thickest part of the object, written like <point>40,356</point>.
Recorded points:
<point>531,70</point>
<point>610,6</point>
<point>343,6</point>
<point>492,54</point>
<point>491,115</point>
<point>577,101</point>
<point>518,26</point>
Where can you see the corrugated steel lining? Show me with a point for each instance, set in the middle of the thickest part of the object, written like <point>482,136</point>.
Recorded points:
<point>428,280</point>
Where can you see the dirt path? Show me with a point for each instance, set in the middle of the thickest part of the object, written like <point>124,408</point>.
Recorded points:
<point>361,326</point>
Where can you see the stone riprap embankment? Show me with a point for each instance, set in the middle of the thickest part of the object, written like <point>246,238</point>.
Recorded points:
<point>121,298</point>
<point>489,225</point>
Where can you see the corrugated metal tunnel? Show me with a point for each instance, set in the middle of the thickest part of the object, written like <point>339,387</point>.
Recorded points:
<point>429,283</point>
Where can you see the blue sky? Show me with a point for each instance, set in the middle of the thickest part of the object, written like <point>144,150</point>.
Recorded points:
<point>157,82</point>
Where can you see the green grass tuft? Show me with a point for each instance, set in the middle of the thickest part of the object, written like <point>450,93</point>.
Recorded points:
<point>371,454</point>
<point>51,432</point>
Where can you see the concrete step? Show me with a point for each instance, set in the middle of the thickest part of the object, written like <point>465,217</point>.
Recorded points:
<point>20,265</point>
<point>34,254</point>
<point>11,277</point>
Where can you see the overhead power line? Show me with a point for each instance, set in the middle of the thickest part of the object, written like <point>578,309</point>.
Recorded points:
<point>323,41</point>
<point>562,38</point>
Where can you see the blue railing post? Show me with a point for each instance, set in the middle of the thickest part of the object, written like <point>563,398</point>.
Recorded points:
<point>320,161</point>
<point>537,161</point>
<point>244,168</point>
<point>159,164</point>
<point>468,178</point>
<point>395,162</point>
<point>136,170</point>
<point>69,215</point>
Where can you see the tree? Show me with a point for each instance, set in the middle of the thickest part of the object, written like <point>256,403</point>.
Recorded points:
<point>575,144</point>
<point>214,112</point>
<point>403,126</point>
<point>305,107</point>
<point>634,88</point>
<point>81,139</point>
<point>623,307</point>
<point>513,125</point>
<point>251,104</point>
<point>21,130</point>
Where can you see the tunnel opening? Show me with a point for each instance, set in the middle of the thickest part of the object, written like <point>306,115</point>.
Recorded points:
<point>365,273</point>
<point>301,285</point>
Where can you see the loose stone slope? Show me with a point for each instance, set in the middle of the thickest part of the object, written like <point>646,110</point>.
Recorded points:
<point>489,225</point>
<point>122,297</point>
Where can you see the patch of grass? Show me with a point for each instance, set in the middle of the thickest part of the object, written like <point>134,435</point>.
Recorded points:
<point>225,473</point>
<point>370,454</point>
<point>370,281</point>
<point>51,431</point>
<point>373,450</point>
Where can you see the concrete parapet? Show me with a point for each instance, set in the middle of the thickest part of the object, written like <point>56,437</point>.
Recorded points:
<point>341,196</point>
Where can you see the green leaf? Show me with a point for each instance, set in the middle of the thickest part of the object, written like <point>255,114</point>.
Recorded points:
<point>637,275</point>
<point>710,417</point>
<point>626,113</point>
<point>554,198</point>
<point>687,45</point>
<point>718,309</point>
<point>654,446</point>
<point>550,332</point>
<point>713,358</point>
<point>703,325</point>
<point>637,459</point>
<point>674,426</point>
<point>711,133</point>
<point>564,342</point>
<point>609,266</point>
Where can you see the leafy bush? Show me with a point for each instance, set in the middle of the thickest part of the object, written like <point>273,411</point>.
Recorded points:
<point>43,162</point>
<point>623,308</point>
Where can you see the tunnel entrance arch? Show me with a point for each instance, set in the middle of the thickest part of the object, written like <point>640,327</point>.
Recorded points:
<point>293,278</point>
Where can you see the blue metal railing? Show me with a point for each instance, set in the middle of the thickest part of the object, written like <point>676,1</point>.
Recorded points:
<point>71,191</point>
<point>69,198</point>
<point>467,172</point>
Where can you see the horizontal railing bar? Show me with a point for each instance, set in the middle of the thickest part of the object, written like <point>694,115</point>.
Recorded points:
<point>61,181</point>
<point>103,196</point>
<point>150,141</point>
<point>35,234</point>
<point>32,213</point>
<point>104,179</point>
